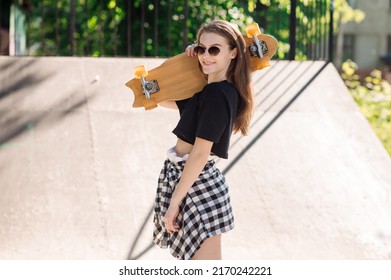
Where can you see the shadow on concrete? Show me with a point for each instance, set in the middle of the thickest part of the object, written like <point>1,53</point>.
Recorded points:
<point>270,123</point>
<point>18,82</point>
<point>131,255</point>
<point>15,121</point>
<point>282,88</point>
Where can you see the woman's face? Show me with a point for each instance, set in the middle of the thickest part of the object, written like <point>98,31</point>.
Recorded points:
<point>215,66</point>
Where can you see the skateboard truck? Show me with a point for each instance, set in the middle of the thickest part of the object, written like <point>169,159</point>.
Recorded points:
<point>258,48</point>
<point>148,87</point>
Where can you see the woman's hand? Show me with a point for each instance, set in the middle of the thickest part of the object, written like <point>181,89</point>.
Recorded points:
<point>170,218</point>
<point>190,50</point>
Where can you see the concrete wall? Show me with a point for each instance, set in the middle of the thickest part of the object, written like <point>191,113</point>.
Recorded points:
<point>79,166</point>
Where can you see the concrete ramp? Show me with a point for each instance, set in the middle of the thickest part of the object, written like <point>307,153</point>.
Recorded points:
<point>79,166</point>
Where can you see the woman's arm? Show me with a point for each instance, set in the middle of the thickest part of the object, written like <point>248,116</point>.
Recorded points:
<point>171,104</point>
<point>193,167</point>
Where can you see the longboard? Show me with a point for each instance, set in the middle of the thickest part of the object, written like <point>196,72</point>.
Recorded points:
<point>180,77</point>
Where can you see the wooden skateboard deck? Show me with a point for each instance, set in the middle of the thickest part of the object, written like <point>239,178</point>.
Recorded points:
<point>180,77</point>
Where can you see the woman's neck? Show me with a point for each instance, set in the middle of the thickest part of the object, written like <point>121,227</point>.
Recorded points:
<point>216,79</point>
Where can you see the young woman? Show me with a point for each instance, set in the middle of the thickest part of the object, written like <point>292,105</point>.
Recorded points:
<point>192,204</point>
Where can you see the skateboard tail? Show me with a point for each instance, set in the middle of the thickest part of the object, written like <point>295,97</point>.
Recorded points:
<point>150,103</point>
<point>265,62</point>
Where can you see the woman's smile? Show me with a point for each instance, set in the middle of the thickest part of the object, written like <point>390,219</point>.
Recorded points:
<point>207,63</point>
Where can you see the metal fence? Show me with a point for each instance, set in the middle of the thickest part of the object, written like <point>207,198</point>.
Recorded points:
<point>304,28</point>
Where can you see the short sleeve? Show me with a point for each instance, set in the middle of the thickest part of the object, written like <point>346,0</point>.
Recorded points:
<point>181,104</point>
<point>213,116</point>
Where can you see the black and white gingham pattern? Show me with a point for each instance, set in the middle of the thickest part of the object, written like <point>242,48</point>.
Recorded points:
<point>204,212</point>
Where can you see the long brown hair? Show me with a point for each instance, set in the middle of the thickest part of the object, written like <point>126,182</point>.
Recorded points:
<point>238,72</point>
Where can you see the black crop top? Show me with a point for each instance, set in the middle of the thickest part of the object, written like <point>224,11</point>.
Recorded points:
<point>210,115</point>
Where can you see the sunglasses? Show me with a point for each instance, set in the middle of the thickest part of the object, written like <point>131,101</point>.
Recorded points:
<point>199,50</point>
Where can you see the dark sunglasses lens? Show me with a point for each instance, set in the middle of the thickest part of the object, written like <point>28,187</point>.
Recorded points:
<point>214,50</point>
<point>199,50</point>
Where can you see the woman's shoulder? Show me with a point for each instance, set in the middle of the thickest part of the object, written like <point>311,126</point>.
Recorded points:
<point>220,93</point>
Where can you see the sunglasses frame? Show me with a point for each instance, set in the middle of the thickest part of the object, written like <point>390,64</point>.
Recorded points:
<point>213,50</point>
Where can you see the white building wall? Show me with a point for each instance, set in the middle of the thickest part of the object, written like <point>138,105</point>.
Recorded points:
<point>372,33</point>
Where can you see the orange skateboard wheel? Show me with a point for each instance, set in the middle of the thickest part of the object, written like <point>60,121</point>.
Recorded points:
<point>253,30</point>
<point>140,71</point>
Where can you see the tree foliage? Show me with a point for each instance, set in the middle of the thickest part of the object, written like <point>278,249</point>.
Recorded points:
<point>373,96</point>
<point>165,27</point>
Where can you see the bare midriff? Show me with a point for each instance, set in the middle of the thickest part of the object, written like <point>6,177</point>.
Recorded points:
<point>182,148</point>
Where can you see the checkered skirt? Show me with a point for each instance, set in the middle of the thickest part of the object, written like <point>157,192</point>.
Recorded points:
<point>203,213</point>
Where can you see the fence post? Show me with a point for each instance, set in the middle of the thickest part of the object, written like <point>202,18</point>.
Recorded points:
<point>185,29</point>
<point>331,32</point>
<point>129,27</point>
<point>1,42</point>
<point>156,28</point>
<point>292,30</point>
<point>142,35</point>
<point>72,27</point>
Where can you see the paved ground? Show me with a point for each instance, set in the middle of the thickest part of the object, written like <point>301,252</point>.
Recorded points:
<point>79,165</point>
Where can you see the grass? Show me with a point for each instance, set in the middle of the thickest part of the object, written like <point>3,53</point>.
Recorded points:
<point>373,96</point>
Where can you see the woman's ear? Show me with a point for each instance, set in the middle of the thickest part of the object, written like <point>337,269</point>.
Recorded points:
<point>234,53</point>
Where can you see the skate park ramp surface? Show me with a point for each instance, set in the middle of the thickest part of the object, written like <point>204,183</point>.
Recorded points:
<point>79,165</point>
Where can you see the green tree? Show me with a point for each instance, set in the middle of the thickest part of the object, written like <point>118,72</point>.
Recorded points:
<point>164,27</point>
<point>373,96</point>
